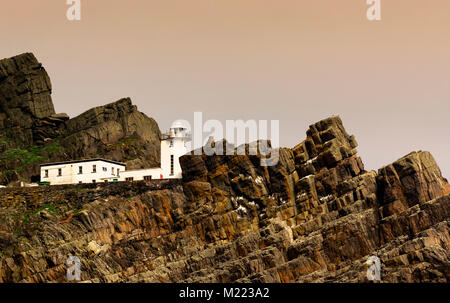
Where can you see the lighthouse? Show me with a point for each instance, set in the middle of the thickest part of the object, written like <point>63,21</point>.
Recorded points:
<point>173,146</point>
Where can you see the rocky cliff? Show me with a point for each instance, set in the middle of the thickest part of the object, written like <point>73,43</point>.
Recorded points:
<point>317,216</point>
<point>25,91</point>
<point>31,132</point>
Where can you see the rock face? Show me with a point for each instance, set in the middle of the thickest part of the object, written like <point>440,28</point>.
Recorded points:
<point>316,216</point>
<point>25,90</point>
<point>30,128</point>
<point>413,179</point>
<point>116,131</point>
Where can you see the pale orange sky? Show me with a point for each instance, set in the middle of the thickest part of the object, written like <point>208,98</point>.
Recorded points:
<point>297,61</point>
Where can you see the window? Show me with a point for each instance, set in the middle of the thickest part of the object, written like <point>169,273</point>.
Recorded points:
<point>46,173</point>
<point>106,181</point>
<point>130,179</point>
<point>105,169</point>
<point>93,181</point>
<point>118,172</point>
<point>94,168</point>
<point>59,172</point>
<point>80,182</point>
<point>171,143</point>
<point>112,170</point>
<point>80,170</point>
<point>171,165</point>
<point>147,178</point>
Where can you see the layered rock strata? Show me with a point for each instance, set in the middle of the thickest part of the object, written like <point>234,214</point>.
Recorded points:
<point>316,216</point>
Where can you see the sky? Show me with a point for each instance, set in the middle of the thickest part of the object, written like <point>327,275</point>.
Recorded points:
<point>296,61</point>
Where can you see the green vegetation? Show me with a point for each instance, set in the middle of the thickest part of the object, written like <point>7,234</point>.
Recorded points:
<point>126,141</point>
<point>14,160</point>
<point>24,223</point>
<point>27,214</point>
<point>4,141</point>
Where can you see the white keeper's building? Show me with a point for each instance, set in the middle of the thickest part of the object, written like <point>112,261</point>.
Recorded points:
<point>82,171</point>
<point>173,146</point>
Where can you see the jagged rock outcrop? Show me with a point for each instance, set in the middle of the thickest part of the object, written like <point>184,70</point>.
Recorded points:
<point>25,90</point>
<point>316,216</point>
<point>31,132</point>
<point>413,179</point>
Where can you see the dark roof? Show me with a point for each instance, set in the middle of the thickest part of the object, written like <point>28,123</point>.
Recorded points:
<point>83,161</point>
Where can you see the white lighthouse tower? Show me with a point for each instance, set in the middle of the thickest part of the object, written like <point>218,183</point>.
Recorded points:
<point>173,146</point>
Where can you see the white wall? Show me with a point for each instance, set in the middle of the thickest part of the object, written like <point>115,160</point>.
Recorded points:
<point>139,174</point>
<point>177,150</point>
<point>71,175</point>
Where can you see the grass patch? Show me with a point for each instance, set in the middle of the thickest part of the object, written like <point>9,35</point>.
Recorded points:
<point>14,160</point>
<point>29,213</point>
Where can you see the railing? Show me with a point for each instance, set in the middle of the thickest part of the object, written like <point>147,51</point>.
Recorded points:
<point>169,135</point>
